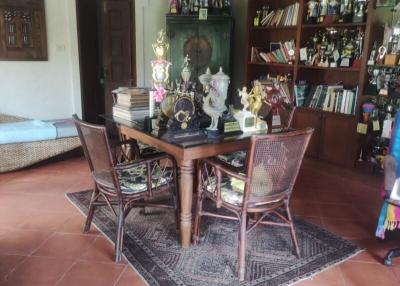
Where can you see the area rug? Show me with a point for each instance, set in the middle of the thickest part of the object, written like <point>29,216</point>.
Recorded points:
<point>151,245</point>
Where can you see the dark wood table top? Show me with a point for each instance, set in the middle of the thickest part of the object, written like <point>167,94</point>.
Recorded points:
<point>186,148</point>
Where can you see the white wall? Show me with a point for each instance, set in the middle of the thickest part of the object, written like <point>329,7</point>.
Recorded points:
<point>46,89</point>
<point>149,19</point>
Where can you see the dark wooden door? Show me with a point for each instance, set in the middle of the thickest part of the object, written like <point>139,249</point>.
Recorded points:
<point>304,118</point>
<point>117,47</point>
<point>89,60</point>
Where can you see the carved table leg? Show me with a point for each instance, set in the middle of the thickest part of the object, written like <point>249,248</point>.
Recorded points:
<point>186,194</point>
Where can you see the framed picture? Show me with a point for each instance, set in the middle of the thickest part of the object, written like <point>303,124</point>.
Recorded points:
<point>386,3</point>
<point>203,14</point>
<point>22,30</point>
<point>273,46</point>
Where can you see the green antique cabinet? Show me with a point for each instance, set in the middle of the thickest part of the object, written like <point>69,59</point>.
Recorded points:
<point>207,42</point>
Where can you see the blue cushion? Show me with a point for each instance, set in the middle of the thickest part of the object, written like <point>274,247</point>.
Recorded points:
<point>26,131</point>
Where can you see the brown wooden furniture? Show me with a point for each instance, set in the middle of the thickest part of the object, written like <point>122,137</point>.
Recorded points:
<point>23,30</point>
<point>125,185</point>
<point>273,162</point>
<point>335,139</point>
<point>186,153</point>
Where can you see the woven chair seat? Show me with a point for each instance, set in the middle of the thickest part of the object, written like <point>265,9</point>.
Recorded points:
<point>231,189</point>
<point>134,180</point>
<point>236,159</point>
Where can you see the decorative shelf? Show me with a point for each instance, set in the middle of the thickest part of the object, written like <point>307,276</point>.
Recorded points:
<point>330,69</point>
<point>271,64</point>
<point>274,28</point>
<point>344,25</point>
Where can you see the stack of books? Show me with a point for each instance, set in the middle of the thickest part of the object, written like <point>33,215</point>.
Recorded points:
<point>333,98</point>
<point>282,17</point>
<point>279,53</point>
<point>131,104</point>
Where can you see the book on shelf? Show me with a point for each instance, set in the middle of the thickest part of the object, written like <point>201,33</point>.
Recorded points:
<point>279,53</point>
<point>332,98</point>
<point>287,16</point>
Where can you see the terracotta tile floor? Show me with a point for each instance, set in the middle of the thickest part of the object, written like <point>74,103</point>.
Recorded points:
<point>41,240</point>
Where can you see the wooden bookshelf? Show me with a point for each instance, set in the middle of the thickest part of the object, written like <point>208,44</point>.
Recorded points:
<point>335,139</point>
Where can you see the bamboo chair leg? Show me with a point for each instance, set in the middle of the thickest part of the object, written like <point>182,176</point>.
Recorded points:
<point>292,230</point>
<point>92,207</point>
<point>120,234</point>
<point>242,247</point>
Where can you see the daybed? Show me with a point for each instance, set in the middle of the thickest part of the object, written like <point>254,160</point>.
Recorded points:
<point>14,156</point>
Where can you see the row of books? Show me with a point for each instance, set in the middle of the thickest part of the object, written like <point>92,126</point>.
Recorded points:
<point>333,98</point>
<point>131,103</point>
<point>282,17</point>
<point>279,53</point>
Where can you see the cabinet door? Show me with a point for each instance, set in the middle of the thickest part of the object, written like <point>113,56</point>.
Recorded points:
<point>338,139</point>
<point>217,35</point>
<point>304,118</point>
<point>182,34</point>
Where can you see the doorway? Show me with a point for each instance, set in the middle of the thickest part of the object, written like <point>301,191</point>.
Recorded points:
<point>106,38</point>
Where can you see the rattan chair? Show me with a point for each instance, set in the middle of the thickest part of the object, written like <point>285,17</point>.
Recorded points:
<point>124,185</point>
<point>238,158</point>
<point>273,162</point>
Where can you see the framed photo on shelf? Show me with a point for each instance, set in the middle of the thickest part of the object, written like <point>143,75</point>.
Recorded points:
<point>386,3</point>
<point>273,46</point>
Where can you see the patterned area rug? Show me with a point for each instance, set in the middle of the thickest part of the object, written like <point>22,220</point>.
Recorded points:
<point>151,245</point>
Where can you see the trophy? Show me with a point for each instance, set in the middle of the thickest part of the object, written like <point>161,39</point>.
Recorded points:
<point>372,56</point>
<point>381,55</point>
<point>160,77</point>
<point>346,11</point>
<point>312,11</point>
<point>173,7</point>
<point>359,11</point>
<point>323,10</point>
<point>333,12</point>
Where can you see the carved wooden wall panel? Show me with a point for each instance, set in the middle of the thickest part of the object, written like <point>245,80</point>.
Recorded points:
<point>22,30</point>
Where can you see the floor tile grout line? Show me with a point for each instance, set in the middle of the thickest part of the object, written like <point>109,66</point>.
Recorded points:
<point>66,271</point>
<point>121,274</point>
<point>27,257</point>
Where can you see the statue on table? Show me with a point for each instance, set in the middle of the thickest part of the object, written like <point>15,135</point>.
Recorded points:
<point>244,98</point>
<point>214,103</point>
<point>255,98</point>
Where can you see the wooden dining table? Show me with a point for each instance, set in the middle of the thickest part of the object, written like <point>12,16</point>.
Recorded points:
<point>186,152</point>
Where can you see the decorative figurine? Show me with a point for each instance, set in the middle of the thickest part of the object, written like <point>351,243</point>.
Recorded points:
<point>244,98</point>
<point>214,103</point>
<point>255,98</point>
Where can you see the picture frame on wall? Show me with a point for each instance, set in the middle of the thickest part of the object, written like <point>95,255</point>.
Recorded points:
<point>386,3</point>
<point>23,30</point>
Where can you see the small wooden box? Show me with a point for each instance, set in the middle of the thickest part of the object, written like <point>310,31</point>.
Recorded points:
<point>391,60</point>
